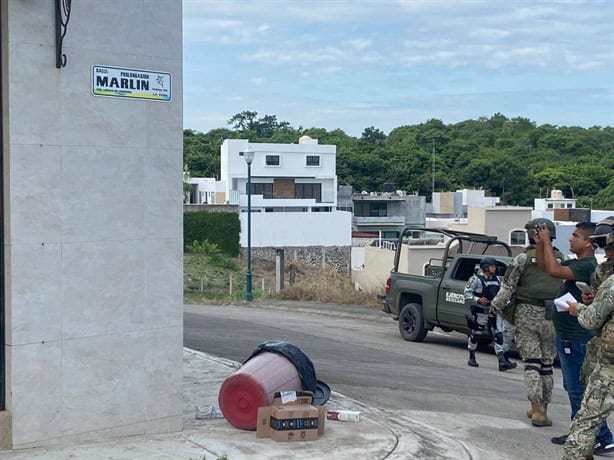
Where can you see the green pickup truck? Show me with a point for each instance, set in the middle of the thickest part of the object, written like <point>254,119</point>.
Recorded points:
<point>435,298</point>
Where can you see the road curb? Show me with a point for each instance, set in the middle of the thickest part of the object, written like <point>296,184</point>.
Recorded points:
<point>312,309</point>
<point>213,358</point>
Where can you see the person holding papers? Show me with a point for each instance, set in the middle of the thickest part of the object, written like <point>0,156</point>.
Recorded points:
<point>571,337</point>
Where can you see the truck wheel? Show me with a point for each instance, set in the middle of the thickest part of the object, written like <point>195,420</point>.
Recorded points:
<point>411,323</point>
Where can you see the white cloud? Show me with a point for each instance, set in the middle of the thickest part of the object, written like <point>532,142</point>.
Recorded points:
<point>331,69</point>
<point>258,81</point>
<point>359,43</point>
<point>372,57</point>
<point>385,55</point>
<point>295,56</point>
<point>225,31</point>
<point>438,31</point>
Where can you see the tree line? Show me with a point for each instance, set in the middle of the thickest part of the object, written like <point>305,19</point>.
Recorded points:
<point>512,158</point>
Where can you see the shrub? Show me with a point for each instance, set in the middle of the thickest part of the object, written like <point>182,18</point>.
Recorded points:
<point>213,254</point>
<point>219,228</point>
<point>203,247</point>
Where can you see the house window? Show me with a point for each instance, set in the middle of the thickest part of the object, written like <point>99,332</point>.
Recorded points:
<point>518,238</point>
<point>550,205</point>
<point>272,160</point>
<point>266,190</point>
<point>308,191</point>
<point>569,205</point>
<point>313,160</point>
<point>378,210</point>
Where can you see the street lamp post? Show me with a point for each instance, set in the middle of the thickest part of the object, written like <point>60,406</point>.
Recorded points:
<point>433,175</point>
<point>249,157</point>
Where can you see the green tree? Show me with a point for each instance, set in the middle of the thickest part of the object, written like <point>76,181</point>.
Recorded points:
<point>373,136</point>
<point>243,121</point>
<point>510,157</point>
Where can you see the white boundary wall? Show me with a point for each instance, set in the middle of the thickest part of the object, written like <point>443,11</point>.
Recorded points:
<point>298,229</point>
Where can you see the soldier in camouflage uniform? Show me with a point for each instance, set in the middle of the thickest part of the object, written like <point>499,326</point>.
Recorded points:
<point>533,291</point>
<point>480,290</point>
<point>601,273</point>
<point>570,337</point>
<point>598,401</point>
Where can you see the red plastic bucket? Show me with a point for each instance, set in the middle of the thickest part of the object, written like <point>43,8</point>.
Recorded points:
<point>254,385</point>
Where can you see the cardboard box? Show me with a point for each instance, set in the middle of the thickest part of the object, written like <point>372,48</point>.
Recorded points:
<point>293,420</point>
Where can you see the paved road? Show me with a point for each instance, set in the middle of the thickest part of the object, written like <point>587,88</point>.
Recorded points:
<point>359,352</point>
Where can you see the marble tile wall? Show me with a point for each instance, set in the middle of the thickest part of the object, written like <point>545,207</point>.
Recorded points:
<point>93,222</point>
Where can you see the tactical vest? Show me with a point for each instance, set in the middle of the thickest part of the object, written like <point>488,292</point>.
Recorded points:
<point>490,287</point>
<point>601,273</point>
<point>534,283</point>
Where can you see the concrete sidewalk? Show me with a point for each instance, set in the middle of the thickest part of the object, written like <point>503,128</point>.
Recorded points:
<point>376,436</point>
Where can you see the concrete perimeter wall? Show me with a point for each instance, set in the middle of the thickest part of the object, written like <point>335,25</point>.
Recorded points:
<point>336,257</point>
<point>380,261</point>
<point>93,221</point>
<point>282,229</point>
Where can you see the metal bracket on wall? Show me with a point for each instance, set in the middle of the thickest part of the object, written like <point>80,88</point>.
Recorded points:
<point>62,15</point>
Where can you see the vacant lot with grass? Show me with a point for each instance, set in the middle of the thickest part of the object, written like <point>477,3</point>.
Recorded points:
<point>211,277</point>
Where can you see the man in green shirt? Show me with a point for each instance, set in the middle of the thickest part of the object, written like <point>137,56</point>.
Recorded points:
<point>571,337</point>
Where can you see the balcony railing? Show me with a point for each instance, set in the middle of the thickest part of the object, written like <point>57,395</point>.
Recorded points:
<point>389,220</point>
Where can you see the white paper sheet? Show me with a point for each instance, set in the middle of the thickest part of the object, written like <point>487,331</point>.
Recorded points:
<point>561,302</point>
<point>287,396</point>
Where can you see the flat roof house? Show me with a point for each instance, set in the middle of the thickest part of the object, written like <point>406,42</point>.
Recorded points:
<point>293,195</point>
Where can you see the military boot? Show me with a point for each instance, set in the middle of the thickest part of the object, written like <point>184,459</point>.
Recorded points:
<point>472,362</point>
<point>539,415</point>
<point>512,364</point>
<point>503,363</point>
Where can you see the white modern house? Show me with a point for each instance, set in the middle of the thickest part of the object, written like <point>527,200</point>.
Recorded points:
<point>385,213</point>
<point>556,201</point>
<point>293,197</point>
<point>205,190</point>
<point>457,204</point>
<point>505,222</point>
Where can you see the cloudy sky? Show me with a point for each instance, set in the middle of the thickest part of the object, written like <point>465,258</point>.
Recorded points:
<point>353,64</point>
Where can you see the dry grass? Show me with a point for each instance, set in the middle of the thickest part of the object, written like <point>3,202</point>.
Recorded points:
<point>206,282</point>
<point>324,285</point>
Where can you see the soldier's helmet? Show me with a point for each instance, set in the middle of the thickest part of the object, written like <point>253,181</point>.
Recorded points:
<point>607,241</point>
<point>487,262</point>
<point>603,228</point>
<point>538,222</point>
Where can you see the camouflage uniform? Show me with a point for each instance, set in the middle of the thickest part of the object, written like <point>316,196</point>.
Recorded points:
<point>598,401</point>
<point>478,322</point>
<point>600,274</point>
<point>534,332</point>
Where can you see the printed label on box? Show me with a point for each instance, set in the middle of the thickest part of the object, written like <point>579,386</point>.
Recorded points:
<point>288,396</point>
